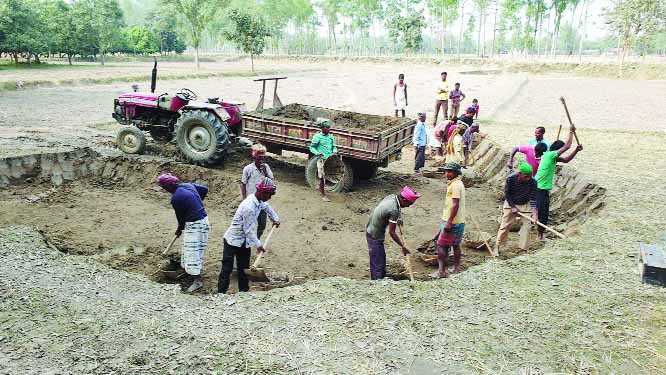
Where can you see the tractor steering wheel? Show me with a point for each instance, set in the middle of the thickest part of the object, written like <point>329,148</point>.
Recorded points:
<point>186,94</point>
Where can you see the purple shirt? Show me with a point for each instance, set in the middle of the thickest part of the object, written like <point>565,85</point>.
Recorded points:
<point>187,201</point>
<point>454,96</point>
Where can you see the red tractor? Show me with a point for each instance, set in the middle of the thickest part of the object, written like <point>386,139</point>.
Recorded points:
<point>204,130</point>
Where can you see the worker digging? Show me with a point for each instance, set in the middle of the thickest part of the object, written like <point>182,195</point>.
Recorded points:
<point>526,191</point>
<point>187,201</point>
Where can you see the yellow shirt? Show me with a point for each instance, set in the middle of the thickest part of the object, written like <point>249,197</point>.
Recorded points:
<point>455,189</point>
<point>442,86</point>
<point>454,150</point>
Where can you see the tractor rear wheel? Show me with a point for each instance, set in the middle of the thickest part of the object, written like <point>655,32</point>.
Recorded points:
<point>202,137</point>
<point>131,140</point>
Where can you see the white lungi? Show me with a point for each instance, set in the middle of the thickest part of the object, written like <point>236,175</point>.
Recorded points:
<point>195,239</point>
<point>400,98</point>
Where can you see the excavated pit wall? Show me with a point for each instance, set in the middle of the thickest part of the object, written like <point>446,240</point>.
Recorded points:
<point>572,199</point>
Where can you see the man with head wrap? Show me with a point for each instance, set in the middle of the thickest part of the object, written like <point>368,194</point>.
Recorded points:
<point>240,237</point>
<point>252,174</point>
<point>187,202</point>
<point>520,196</point>
<point>386,215</point>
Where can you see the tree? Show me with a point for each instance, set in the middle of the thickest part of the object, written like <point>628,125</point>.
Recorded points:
<point>197,14</point>
<point>98,24</point>
<point>20,29</point>
<point>632,19</point>
<point>446,11</point>
<point>248,33</point>
<point>141,40</point>
<point>60,26</point>
<point>481,6</point>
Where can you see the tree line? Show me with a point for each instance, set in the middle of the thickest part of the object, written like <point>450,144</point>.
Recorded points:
<point>94,28</point>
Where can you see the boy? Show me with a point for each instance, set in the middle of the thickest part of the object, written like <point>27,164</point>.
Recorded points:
<point>420,141</point>
<point>546,173</point>
<point>400,95</point>
<point>475,105</point>
<point>452,226</point>
<point>322,147</point>
<point>441,98</point>
<point>252,174</point>
<point>456,96</point>
<point>386,215</point>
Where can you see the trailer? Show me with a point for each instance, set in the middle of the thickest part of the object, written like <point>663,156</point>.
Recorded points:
<point>365,142</point>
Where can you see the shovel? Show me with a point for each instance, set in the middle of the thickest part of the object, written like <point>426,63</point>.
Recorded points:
<point>407,257</point>
<point>170,246</point>
<point>257,274</point>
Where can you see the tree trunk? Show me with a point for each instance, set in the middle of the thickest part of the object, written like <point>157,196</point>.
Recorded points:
<point>69,58</point>
<point>462,22</point>
<point>37,61</point>
<point>572,39</point>
<point>15,54</point>
<point>196,57</point>
<point>29,57</point>
<point>101,55</point>
<point>492,52</point>
<point>252,61</point>
<point>583,27</point>
<point>478,42</point>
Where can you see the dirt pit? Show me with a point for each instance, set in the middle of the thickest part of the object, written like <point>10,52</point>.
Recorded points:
<point>110,209</point>
<point>340,119</point>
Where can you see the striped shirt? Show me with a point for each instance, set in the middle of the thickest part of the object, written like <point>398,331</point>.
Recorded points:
<point>241,230</point>
<point>516,192</point>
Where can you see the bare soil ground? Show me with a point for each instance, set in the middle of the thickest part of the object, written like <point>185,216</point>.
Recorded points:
<point>575,306</point>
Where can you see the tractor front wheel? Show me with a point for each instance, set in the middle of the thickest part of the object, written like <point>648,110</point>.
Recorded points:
<point>202,137</point>
<point>131,140</point>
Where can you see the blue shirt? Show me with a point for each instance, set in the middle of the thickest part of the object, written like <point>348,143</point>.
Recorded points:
<point>187,201</point>
<point>533,142</point>
<point>420,137</point>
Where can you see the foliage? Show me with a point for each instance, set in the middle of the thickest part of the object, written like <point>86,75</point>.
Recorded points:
<point>248,32</point>
<point>407,30</point>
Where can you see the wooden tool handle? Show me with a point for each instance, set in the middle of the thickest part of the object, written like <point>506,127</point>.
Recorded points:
<point>476,224</point>
<point>261,255</point>
<point>558,234</point>
<point>558,132</point>
<point>409,262</point>
<point>170,245</point>
<point>566,109</point>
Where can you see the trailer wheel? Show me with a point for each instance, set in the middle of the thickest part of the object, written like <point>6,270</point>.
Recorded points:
<point>339,174</point>
<point>202,137</point>
<point>364,170</point>
<point>131,140</point>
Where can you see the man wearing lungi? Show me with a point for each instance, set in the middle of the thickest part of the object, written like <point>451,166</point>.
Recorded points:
<point>452,227</point>
<point>187,202</point>
<point>386,214</point>
<point>240,237</point>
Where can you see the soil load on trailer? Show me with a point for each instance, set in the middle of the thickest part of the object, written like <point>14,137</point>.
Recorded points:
<point>340,119</point>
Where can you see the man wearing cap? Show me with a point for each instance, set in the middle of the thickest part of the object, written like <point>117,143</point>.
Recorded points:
<point>420,141</point>
<point>187,202</point>
<point>452,226</point>
<point>520,196</point>
<point>322,147</point>
<point>253,174</point>
<point>386,214</point>
<point>240,237</point>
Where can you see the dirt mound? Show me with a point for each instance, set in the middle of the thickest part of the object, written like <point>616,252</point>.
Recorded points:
<point>295,111</point>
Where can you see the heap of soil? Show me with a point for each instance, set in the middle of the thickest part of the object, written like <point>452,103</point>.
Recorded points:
<point>295,111</point>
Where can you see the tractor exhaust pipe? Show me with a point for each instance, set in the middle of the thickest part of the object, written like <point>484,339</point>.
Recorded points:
<point>153,77</point>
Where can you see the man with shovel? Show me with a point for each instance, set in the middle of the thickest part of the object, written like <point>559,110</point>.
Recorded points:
<point>240,237</point>
<point>386,214</point>
<point>520,196</point>
<point>252,175</point>
<point>187,202</point>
